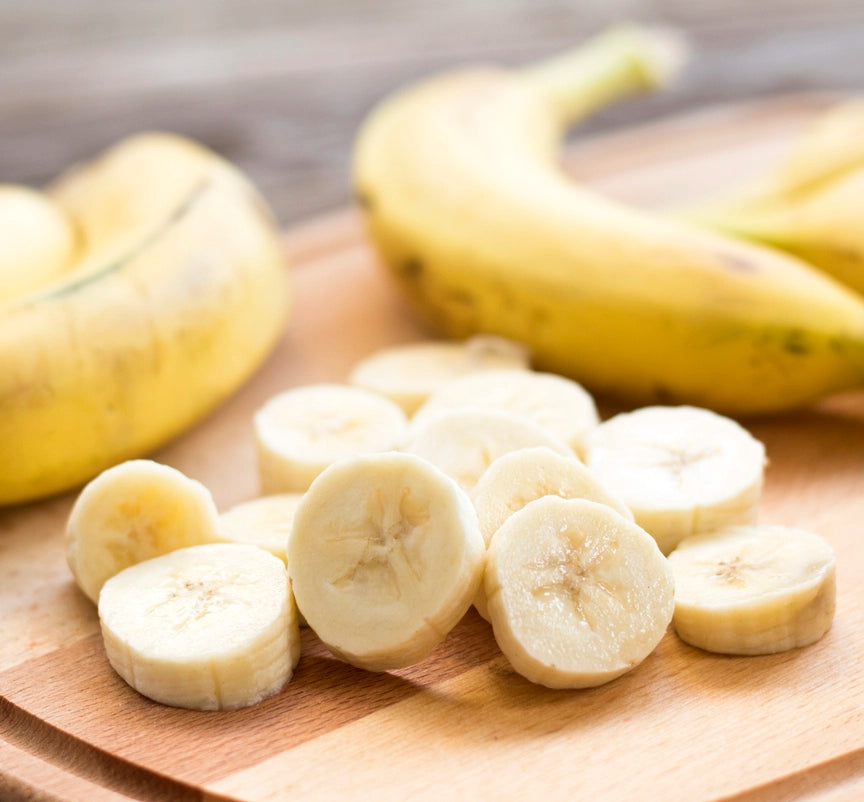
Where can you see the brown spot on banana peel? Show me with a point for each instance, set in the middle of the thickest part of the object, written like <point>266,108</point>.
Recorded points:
<point>737,263</point>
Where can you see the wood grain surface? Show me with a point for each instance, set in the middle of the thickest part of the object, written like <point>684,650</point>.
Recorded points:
<point>280,87</point>
<point>685,725</point>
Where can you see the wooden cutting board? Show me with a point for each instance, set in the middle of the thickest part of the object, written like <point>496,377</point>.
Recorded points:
<point>685,725</point>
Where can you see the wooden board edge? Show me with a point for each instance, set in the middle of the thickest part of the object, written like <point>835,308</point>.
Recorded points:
<point>70,769</point>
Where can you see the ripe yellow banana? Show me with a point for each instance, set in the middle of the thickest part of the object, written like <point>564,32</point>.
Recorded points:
<point>464,198</point>
<point>811,204</point>
<point>173,291</point>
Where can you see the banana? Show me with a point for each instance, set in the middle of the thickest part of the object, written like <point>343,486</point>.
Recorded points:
<point>385,558</point>
<point>210,627</point>
<point>465,201</point>
<point>265,521</point>
<point>465,442</point>
<point>176,293</point>
<point>809,205</point>
<point>558,404</point>
<point>680,470</point>
<point>131,512</point>
<point>301,431</point>
<point>409,373</point>
<point>519,477</point>
<point>38,241</point>
<point>577,594</point>
<point>753,589</point>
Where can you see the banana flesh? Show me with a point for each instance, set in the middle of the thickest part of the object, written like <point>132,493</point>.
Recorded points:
<point>209,627</point>
<point>385,558</point>
<point>265,521</point>
<point>303,430</point>
<point>464,442</point>
<point>519,477</point>
<point>132,512</point>
<point>175,293</point>
<point>409,373</point>
<point>753,589</point>
<point>577,594</point>
<point>466,204</point>
<point>681,470</point>
<point>559,405</point>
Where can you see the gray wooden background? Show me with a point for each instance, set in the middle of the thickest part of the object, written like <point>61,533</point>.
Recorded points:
<point>279,86</point>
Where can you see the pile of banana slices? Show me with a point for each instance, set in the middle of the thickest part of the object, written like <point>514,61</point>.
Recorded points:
<point>443,475</point>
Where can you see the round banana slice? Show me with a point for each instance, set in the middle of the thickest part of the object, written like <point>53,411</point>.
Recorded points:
<point>134,511</point>
<point>303,430</point>
<point>384,559</point>
<point>681,470</point>
<point>577,594</point>
<point>559,405</point>
<point>264,522</point>
<point>408,374</point>
<point>753,589</point>
<point>519,477</point>
<point>465,442</point>
<point>209,627</point>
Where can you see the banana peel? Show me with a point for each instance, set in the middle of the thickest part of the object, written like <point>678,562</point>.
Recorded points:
<point>171,293</point>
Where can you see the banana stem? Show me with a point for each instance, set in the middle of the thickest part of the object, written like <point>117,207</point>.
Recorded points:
<point>612,65</point>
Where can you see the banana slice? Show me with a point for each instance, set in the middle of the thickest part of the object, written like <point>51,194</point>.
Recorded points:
<point>578,595</point>
<point>557,404</point>
<point>264,522</point>
<point>303,430</point>
<point>681,470</point>
<point>408,374</point>
<point>209,627</point>
<point>134,511</point>
<point>753,589</point>
<point>385,558</point>
<point>465,442</point>
<point>519,477</point>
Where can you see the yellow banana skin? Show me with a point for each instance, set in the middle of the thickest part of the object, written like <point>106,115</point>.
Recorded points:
<point>465,202</point>
<point>179,294</point>
<point>810,206</point>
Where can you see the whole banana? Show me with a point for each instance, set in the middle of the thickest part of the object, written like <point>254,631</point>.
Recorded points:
<point>173,290</point>
<point>810,205</point>
<point>465,201</point>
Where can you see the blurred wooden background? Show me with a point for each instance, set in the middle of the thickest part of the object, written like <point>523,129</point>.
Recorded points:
<point>279,86</point>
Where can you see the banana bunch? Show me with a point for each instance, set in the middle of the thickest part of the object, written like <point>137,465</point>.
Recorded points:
<point>464,199</point>
<point>810,205</point>
<point>135,294</point>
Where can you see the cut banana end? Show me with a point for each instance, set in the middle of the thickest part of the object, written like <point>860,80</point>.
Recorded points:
<point>753,589</point>
<point>408,374</point>
<point>209,627</point>
<point>559,405</point>
<point>303,430</point>
<point>519,477</point>
<point>134,511</point>
<point>264,522</point>
<point>465,442</point>
<point>385,558</point>
<point>578,595</point>
<point>681,470</point>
